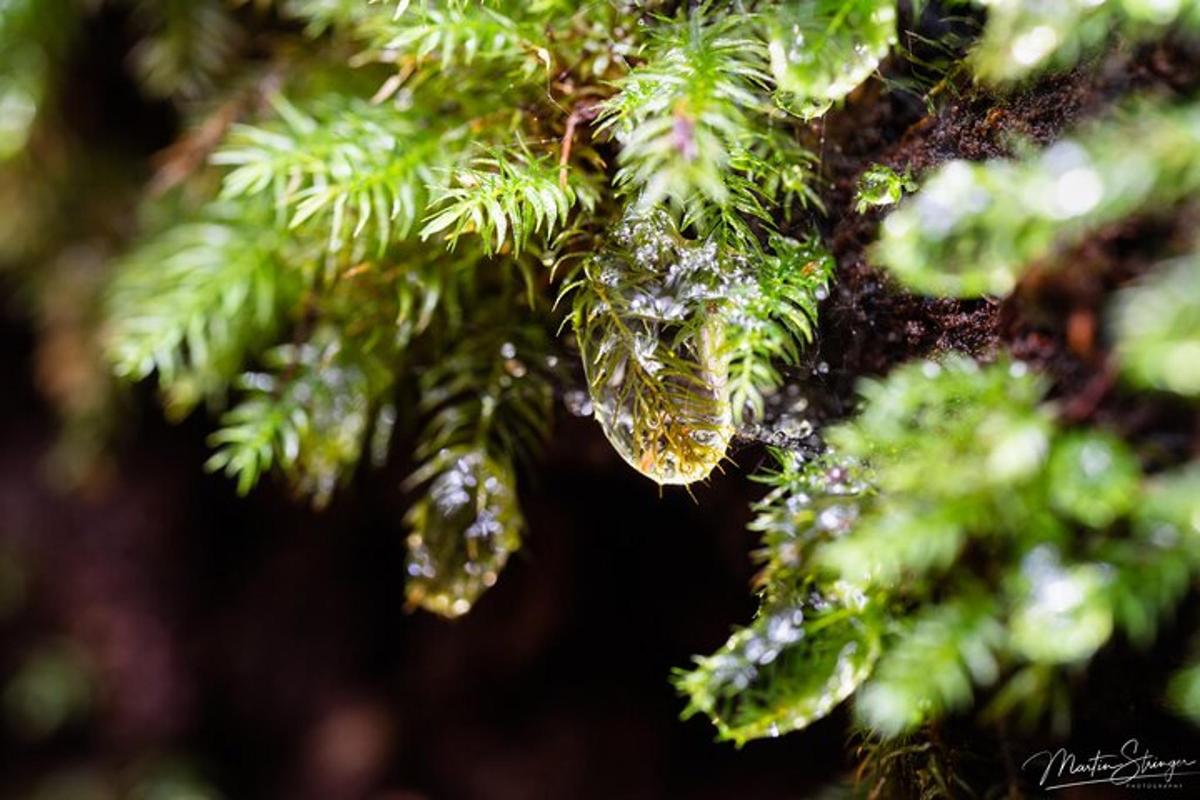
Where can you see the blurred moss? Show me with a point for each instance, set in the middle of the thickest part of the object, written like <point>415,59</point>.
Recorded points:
<point>52,687</point>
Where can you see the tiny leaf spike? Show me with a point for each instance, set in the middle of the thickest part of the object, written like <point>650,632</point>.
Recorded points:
<point>647,315</point>
<point>462,530</point>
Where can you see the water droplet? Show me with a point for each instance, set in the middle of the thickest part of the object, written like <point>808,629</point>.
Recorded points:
<point>790,427</point>
<point>1077,192</point>
<point>578,402</point>
<point>817,65</point>
<point>837,519</point>
<point>650,349</point>
<point>463,530</point>
<point>1064,616</point>
<point>1032,46</point>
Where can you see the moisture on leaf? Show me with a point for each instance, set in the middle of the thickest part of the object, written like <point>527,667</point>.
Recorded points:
<point>820,51</point>
<point>1063,612</point>
<point>1158,329</point>
<point>973,228</point>
<point>309,415</point>
<point>881,186</point>
<point>812,501</point>
<point>1093,478</point>
<point>791,666</point>
<point>645,315</point>
<point>955,507</point>
<point>1024,37</point>
<point>487,405</point>
<point>812,642</point>
<point>463,530</point>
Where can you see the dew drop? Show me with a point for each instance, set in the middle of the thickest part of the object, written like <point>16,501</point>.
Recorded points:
<point>791,427</point>
<point>650,349</point>
<point>1034,45</point>
<point>577,402</point>
<point>463,530</point>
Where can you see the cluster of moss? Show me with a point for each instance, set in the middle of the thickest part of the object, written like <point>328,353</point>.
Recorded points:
<point>405,220</point>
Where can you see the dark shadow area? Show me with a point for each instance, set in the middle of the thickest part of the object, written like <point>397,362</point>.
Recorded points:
<point>268,647</point>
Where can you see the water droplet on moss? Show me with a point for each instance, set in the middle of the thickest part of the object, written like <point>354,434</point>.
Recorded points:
<point>817,59</point>
<point>651,348</point>
<point>462,531</point>
<point>578,403</point>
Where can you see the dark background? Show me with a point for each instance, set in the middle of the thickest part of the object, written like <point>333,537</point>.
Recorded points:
<point>268,647</point>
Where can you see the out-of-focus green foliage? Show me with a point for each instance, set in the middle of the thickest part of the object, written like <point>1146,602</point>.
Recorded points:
<point>1185,692</point>
<point>192,304</point>
<point>33,34</point>
<point>1157,328</point>
<point>821,51</point>
<point>159,777</point>
<point>310,415</point>
<point>1023,37</point>
<point>973,228</point>
<point>963,543</point>
<point>186,47</point>
<point>50,689</point>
